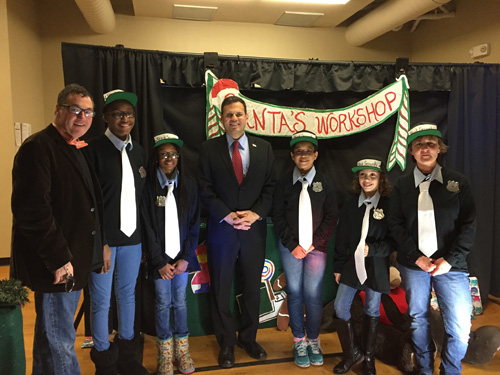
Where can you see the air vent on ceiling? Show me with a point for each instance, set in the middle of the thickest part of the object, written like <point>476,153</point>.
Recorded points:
<point>194,12</point>
<point>299,19</point>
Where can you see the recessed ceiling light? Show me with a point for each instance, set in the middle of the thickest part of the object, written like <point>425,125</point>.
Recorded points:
<point>299,19</point>
<point>194,12</point>
<point>313,1</point>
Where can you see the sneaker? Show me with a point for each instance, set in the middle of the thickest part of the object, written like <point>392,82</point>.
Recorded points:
<point>88,343</point>
<point>315,353</point>
<point>300,356</point>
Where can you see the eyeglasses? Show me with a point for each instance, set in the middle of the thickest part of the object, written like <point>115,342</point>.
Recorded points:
<point>120,115</point>
<point>167,155</point>
<point>70,281</point>
<point>303,152</point>
<point>77,110</point>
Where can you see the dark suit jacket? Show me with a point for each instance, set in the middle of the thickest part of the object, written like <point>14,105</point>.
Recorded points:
<point>455,215</point>
<point>53,213</point>
<point>220,192</point>
<point>377,238</point>
<point>286,210</point>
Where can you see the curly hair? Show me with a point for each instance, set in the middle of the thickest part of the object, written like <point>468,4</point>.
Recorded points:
<point>384,186</point>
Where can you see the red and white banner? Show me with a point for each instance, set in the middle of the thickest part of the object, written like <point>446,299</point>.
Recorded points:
<point>271,120</point>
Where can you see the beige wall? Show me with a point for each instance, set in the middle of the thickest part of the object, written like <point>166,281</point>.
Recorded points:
<point>7,148</point>
<point>32,31</point>
<point>26,63</point>
<point>449,40</point>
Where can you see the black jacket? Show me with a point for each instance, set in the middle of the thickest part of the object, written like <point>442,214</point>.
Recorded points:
<point>153,227</point>
<point>107,163</point>
<point>455,215</point>
<point>54,213</point>
<point>286,210</point>
<point>378,240</point>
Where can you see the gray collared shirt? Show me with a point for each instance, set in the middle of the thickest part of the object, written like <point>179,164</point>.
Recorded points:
<point>374,200</point>
<point>435,175</point>
<point>117,142</point>
<point>163,180</point>
<point>297,176</point>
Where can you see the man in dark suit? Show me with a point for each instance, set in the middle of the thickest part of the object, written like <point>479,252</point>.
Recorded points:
<point>56,235</point>
<point>237,181</point>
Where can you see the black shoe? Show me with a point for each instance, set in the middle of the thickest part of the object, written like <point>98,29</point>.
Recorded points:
<point>129,359</point>
<point>253,349</point>
<point>226,357</point>
<point>105,361</point>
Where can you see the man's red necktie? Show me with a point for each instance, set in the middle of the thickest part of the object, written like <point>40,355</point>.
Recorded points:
<point>237,164</point>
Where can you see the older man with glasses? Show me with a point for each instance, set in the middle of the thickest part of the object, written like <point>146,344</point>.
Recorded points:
<point>57,238</point>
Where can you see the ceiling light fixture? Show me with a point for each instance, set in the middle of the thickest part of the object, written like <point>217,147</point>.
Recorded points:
<point>338,2</point>
<point>194,12</point>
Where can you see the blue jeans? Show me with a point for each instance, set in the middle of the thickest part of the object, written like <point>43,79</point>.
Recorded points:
<point>345,295</point>
<point>171,294</point>
<point>54,339</point>
<point>453,294</point>
<point>304,282</point>
<point>125,261</point>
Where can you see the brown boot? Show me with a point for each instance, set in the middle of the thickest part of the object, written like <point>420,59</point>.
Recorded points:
<point>164,357</point>
<point>185,363</point>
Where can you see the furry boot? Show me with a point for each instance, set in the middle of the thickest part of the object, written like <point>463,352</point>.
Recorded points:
<point>164,357</point>
<point>184,361</point>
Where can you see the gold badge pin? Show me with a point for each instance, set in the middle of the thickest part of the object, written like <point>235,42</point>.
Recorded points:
<point>378,214</point>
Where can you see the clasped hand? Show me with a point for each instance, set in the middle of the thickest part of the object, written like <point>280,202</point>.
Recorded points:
<point>434,266</point>
<point>241,220</point>
<point>168,271</point>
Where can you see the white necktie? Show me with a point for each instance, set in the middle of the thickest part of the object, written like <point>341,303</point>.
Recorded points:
<point>128,212</point>
<point>172,238</point>
<point>305,218</point>
<point>427,238</point>
<point>359,255</point>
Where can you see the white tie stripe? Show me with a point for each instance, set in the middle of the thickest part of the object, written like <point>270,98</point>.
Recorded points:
<point>172,237</point>
<point>305,217</point>
<point>128,211</point>
<point>427,238</point>
<point>359,255</point>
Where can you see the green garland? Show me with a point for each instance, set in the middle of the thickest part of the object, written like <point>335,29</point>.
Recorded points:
<point>12,292</point>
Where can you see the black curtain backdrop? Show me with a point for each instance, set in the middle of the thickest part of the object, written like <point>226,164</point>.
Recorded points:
<point>462,99</point>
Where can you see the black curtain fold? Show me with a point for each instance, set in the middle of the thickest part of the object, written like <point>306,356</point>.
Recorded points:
<point>463,99</point>
<point>474,140</point>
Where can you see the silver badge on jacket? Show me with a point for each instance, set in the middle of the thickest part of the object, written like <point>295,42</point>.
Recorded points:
<point>453,186</point>
<point>160,200</point>
<point>317,187</point>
